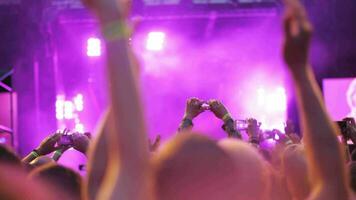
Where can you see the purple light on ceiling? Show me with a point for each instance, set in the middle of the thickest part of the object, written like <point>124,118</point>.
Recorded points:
<point>155,41</point>
<point>93,47</point>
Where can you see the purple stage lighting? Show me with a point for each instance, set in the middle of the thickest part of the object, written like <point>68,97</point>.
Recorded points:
<point>155,41</point>
<point>93,47</point>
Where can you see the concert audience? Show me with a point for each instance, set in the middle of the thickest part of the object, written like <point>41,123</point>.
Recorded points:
<point>123,165</point>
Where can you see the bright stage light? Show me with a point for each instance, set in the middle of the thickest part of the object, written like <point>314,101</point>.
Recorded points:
<point>273,100</point>
<point>78,102</point>
<point>79,127</point>
<point>93,47</point>
<point>60,107</point>
<point>68,110</point>
<point>155,41</point>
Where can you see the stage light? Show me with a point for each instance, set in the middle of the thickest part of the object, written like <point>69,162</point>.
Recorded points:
<point>155,41</point>
<point>79,127</point>
<point>78,102</point>
<point>273,100</point>
<point>277,100</point>
<point>68,110</point>
<point>60,107</point>
<point>93,47</point>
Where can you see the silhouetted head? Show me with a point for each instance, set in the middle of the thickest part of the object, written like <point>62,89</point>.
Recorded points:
<point>7,156</point>
<point>42,160</point>
<point>191,166</point>
<point>60,177</point>
<point>252,180</point>
<point>16,186</point>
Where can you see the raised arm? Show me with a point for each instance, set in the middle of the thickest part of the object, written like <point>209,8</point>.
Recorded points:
<point>47,146</point>
<point>324,153</point>
<point>192,109</point>
<point>223,114</point>
<point>98,160</point>
<point>128,170</point>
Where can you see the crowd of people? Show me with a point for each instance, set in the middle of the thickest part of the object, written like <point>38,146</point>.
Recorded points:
<point>123,164</point>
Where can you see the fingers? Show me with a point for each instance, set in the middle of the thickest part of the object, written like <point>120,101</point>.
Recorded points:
<point>195,101</point>
<point>158,138</point>
<point>296,22</point>
<point>55,137</point>
<point>195,104</point>
<point>213,103</point>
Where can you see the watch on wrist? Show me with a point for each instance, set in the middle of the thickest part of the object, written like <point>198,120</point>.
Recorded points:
<point>229,127</point>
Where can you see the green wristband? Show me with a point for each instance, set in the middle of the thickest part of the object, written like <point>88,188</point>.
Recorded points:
<point>116,30</point>
<point>57,153</point>
<point>35,154</point>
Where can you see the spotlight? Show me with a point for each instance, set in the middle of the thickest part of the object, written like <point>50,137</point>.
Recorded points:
<point>68,110</point>
<point>155,41</point>
<point>93,47</point>
<point>60,107</point>
<point>78,102</point>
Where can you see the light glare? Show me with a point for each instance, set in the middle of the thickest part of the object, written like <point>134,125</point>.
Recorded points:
<point>93,47</point>
<point>155,41</point>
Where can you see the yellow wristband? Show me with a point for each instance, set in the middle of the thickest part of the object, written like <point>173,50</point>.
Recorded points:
<point>226,117</point>
<point>116,30</point>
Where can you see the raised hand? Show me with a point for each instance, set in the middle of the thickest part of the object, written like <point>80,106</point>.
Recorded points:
<point>298,32</point>
<point>326,159</point>
<point>193,108</point>
<point>109,10</point>
<point>289,130</point>
<point>48,145</point>
<point>289,127</point>
<point>218,108</point>
<point>253,128</point>
<point>80,142</point>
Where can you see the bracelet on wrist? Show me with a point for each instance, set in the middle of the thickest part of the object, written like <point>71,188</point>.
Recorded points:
<point>57,154</point>
<point>226,117</point>
<point>116,30</point>
<point>229,127</point>
<point>35,153</point>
